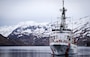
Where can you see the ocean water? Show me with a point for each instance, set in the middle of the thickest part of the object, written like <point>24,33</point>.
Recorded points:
<point>37,51</point>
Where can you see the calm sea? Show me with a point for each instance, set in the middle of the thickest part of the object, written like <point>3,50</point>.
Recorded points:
<point>37,51</point>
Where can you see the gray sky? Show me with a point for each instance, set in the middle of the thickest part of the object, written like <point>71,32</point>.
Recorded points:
<point>15,11</point>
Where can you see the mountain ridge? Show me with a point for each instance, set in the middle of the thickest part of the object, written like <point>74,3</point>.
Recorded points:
<point>32,33</point>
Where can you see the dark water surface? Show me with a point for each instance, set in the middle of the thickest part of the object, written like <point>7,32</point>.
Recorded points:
<point>38,51</point>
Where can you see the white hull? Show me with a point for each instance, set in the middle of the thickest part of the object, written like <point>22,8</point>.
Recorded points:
<point>63,48</point>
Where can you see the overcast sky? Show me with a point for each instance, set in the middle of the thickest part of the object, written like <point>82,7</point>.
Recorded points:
<point>15,11</point>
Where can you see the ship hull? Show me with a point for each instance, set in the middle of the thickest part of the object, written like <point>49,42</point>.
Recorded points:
<point>62,49</point>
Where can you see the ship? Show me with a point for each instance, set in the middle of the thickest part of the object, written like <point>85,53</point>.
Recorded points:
<point>61,39</point>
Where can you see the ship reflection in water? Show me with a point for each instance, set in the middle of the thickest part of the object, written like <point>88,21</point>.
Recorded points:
<point>38,51</point>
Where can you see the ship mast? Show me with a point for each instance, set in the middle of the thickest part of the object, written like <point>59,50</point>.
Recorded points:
<point>63,18</point>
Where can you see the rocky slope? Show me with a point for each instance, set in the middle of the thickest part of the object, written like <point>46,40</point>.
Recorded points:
<point>4,41</point>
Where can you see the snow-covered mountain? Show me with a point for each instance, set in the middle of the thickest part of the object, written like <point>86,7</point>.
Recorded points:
<point>43,28</point>
<point>82,31</point>
<point>82,27</point>
<point>6,30</point>
<point>33,33</point>
<point>27,28</point>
